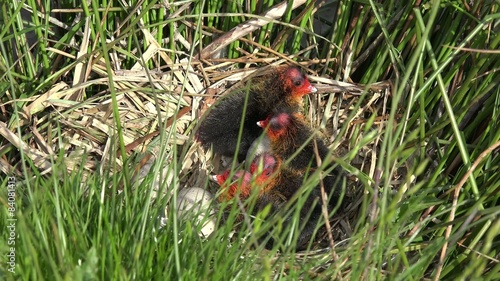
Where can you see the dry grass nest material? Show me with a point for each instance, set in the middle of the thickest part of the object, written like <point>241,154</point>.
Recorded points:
<point>88,134</point>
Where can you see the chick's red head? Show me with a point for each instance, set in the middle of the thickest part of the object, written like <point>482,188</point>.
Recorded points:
<point>240,181</point>
<point>277,126</point>
<point>296,83</point>
<point>264,169</point>
<point>242,177</point>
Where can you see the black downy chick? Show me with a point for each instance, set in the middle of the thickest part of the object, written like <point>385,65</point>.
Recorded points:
<point>288,132</point>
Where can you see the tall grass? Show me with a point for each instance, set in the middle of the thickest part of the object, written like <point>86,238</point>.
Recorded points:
<point>426,195</point>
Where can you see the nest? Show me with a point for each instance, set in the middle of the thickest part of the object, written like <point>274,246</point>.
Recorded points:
<point>85,131</point>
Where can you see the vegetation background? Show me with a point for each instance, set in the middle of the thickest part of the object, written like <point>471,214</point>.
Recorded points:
<point>98,102</point>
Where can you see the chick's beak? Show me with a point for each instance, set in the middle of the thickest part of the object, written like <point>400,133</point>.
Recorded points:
<point>312,89</point>
<point>214,178</point>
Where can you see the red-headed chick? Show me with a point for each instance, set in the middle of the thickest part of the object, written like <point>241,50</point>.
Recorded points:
<point>239,184</point>
<point>282,185</point>
<point>277,185</point>
<point>277,88</point>
<point>293,141</point>
<point>242,182</point>
<point>289,134</point>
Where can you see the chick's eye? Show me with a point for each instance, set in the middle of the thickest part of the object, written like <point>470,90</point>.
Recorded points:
<point>297,83</point>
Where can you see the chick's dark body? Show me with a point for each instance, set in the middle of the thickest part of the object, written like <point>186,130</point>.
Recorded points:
<point>287,185</point>
<point>221,126</point>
